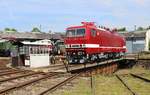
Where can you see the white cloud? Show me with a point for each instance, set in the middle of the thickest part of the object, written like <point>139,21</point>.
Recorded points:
<point>142,2</point>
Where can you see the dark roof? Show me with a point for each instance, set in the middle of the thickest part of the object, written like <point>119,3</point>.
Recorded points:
<point>136,34</point>
<point>29,35</point>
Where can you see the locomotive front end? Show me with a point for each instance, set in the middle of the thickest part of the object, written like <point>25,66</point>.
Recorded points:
<point>75,44</point>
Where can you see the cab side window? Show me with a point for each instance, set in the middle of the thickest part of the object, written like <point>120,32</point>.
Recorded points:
<point>93,32</point>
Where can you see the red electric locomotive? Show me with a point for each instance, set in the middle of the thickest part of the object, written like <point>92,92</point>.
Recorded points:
<point>89,43</point>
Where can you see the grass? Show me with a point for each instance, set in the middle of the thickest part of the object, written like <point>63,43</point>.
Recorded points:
<point>134,70</point>
<point>144,56</point>
<point>147,76</point>
<point>82,88</point>
<point>105,85</point>
<point>139,70</point>
<point>109,85</point>
<point>102,85</point>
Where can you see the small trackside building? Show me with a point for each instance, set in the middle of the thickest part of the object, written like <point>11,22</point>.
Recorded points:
<point>32,54</point>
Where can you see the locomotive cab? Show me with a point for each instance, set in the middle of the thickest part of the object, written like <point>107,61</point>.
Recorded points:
<point>75,39</point>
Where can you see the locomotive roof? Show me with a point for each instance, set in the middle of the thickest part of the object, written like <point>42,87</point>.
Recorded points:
<point>91,25</point>
<point>83,24</point>
<point>72,27</point>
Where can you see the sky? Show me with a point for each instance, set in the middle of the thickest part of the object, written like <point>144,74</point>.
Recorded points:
<point>57,15</point>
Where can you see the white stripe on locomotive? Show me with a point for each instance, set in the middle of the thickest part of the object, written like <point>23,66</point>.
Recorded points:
<point>88,46</point>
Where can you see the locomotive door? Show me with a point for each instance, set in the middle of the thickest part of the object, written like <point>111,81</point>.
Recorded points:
<point>92,36</point>
<point>94,41</point>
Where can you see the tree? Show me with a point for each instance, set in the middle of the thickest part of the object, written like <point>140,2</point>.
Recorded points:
<point>148,27</point>
<point>14,30</point>
<point>49,31</point>
<point>140,28</point>
<point>10,30</point>
<point>121,29</point>
<point>7,29</point>
<point>35,29</point>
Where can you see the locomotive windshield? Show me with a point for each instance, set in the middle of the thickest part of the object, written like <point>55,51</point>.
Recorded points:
<point>70,33</point>
<point>75,32</point>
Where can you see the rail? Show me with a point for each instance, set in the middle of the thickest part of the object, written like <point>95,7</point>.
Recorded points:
<point>20,76</point>
<point>119,78</point>
<point>51,89</point>
<point>12,72</point>
<point>139,77</point>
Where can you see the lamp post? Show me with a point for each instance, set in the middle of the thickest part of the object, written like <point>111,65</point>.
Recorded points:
<point>132,38</point>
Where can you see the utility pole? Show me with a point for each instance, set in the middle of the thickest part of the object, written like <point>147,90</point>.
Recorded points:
<point>40,27</point>
<point>134,27</point>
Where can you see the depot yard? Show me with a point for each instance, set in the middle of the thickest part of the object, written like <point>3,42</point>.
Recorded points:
<point>97,84</point>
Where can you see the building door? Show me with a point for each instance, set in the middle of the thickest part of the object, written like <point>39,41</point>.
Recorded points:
<point>135,46</point>
<point>138,46</point>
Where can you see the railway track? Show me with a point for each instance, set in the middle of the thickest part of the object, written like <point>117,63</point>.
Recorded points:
<point>5,68</point>
<point>19,76</point>
<point>136,84</point>
<point>19,83</point>
<point>140,77</point>
<point>12,72</point>
<point>39,86</point>
<point>53,88</point>
<point>12,80</point>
